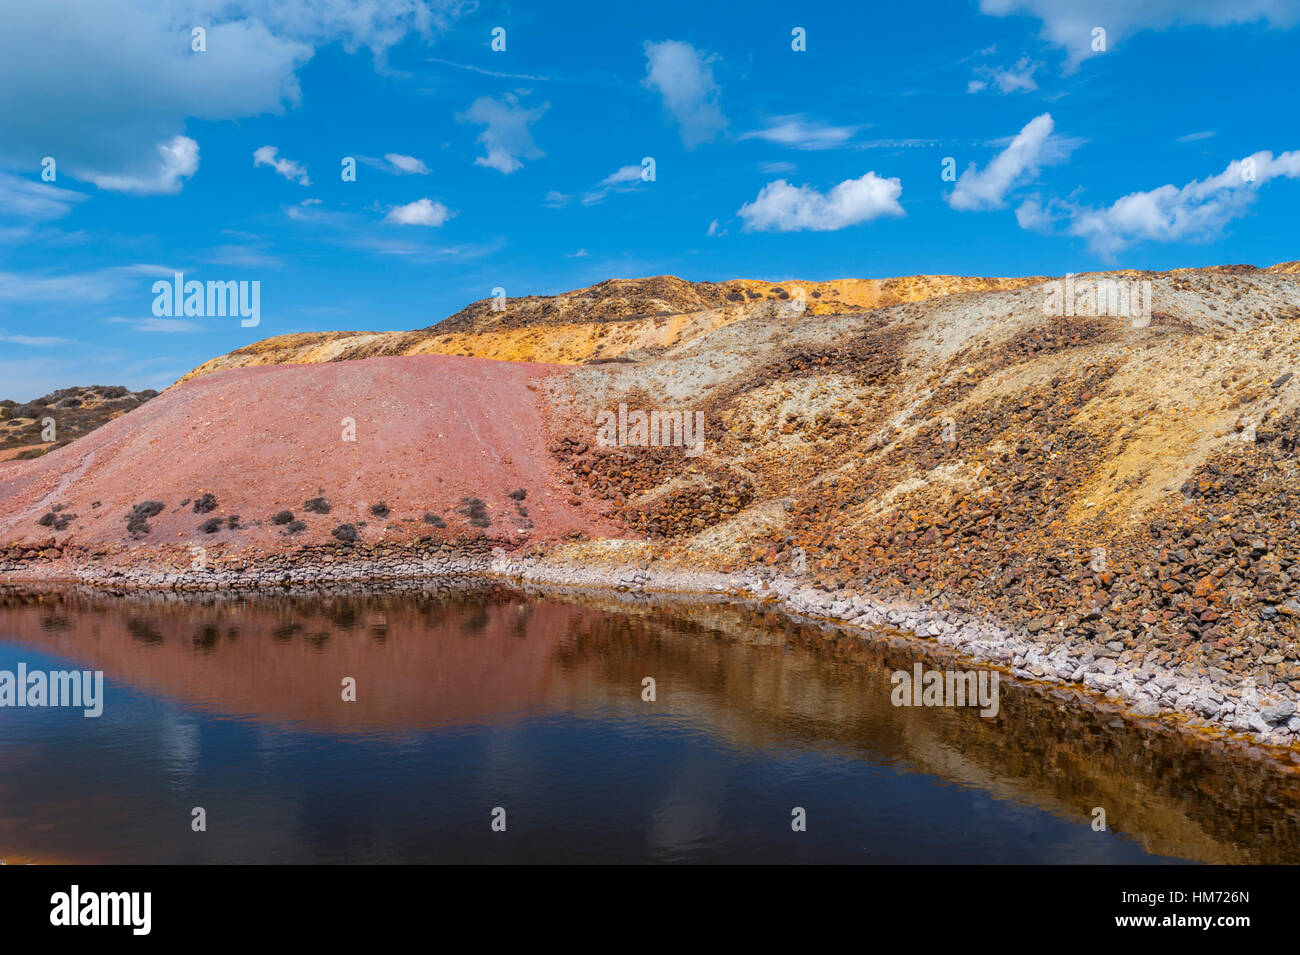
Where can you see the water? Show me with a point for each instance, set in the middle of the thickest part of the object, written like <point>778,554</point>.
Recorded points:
<point>483,698</point>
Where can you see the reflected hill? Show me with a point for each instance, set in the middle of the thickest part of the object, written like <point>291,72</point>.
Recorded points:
<point>429,657</point>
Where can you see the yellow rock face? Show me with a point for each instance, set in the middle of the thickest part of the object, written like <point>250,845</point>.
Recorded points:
<point>640,317</point>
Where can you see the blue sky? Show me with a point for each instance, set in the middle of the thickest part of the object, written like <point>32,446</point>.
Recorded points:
<point>1176,145</point>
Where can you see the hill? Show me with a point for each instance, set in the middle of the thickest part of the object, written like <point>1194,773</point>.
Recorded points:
<point>1118,490</point>
<point>75,412</point>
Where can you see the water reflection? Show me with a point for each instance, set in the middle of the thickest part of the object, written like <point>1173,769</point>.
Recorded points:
<point>473,698</point>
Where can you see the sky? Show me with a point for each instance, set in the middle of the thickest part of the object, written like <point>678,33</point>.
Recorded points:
<point>545,147</point>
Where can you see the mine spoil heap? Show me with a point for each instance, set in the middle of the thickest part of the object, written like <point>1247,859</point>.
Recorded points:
<point>1121,484</point>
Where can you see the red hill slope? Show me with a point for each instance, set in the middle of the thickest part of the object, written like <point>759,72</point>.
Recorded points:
<point>433,433</point>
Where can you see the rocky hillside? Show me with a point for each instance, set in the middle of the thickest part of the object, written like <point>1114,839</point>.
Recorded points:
<point>76,412</point>
<point>1123,485</point>
<point>615,319</point>
<point>1118,483</point>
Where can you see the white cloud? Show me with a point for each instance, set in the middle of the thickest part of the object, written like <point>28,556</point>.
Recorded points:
<point>104,83</point>
<point>397,164</point>
<point>152,324</point>
<point>293,171</point>
<point>683,76</point>
<point>621,180</point>
<point>376,25</point>
<point>420,212</point>
<point>34,341</point>
<point>984,189</point>
<point>24,198</point>
<point>715,229</point>
<point>177,159</point>
<point>353,230</point>
<point>797,132</point>
<point>776,168</point>
<point>1012,79</point>
<point>1069,24</point>
<point>407,164</point>
<point>505,135</point>
<point>80,287</point>
<point>1196,137</point>
<point>1033,216</point>
<point>781,207</point>
<point>307,211</point>
<point>1196,212</point>
<point>499,74</point>
<point>243,256</point>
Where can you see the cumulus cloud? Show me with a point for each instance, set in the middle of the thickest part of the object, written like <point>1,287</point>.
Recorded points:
<point>377,25</point>
<point>420,212</point>
<point>104,83</point>
<point>1033,215</point>
<point>797,132</point>
<point>979,190</point>
<point>781,207</point>
<point>683,76</point>
<point>1196,212</point>
<point>506,135</point>
<point>1069,24</point>
<point>178,159</point>
<point>270,156</point>
<point>1012,79</point>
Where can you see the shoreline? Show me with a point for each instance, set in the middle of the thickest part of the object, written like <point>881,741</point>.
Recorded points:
<point>1213,702</point>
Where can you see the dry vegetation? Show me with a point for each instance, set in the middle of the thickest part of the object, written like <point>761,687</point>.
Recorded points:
<point>76,412</point>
